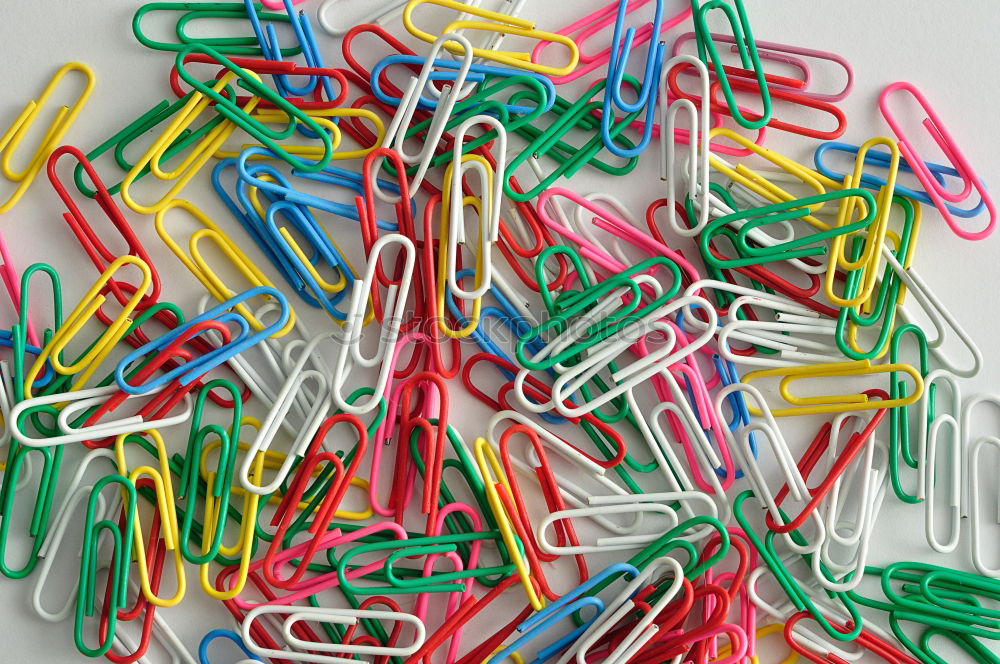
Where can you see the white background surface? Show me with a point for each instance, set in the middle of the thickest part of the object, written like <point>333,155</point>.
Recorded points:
<point>948,49</point>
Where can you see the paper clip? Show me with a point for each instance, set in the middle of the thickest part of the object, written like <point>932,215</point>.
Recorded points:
<point>396,133</point>
<point>306,651</point>
<point>571,159</point>
<point>81,400</point>
<point>293,389</point>
<point>96,249</point>
<point>698,162</point>
<point>943,139</point>
<point>503,24</point>
<point>625,378</point>
<point>854,532</point>
<point>933,419</point>
<point>646,94</point>
<point>879,159</point>
<point>749,57</point>
<point>281,70</point>
<point>10,141</point>
<point>587,27</point>
<point>122,539</point>
<point>314,463</point>
<point>941,319</point>
<point>87,363</point>
<point>75,495</point>
<point>977,511</point>
<point>836,403</point>
<point>487,206</point>
<point>165,513</point>
<point>827,440</point>
<point>207,11</point>
<point>793,55</point>
<point>870,643</point>
<point>240,117</point>
<point>394,309</point>
<point>624,603</point>
<point>577,600</point>
<point>317,82</point>
<point>803,246</point>
<point>767,429</point>
<point>184,172</point>
<point>869,259</point>
<point>780,90</point>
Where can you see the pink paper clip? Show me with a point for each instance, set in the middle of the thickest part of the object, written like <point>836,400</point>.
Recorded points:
<point>936,191</point>
<point>790,55</point>
<point>455,600</point>
<point>13,284</point>
<point>279,4</point>
<point>585,28</point>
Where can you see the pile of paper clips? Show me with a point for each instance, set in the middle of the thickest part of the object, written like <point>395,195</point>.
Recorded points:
<point>633,498</point>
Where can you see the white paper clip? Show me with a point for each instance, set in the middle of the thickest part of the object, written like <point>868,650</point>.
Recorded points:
<point>976,508</point>
<point>67,513</point>
<point>395,310</point>
<point>697,165</point>
<point>80,401</point>
<point>296,646</point>
<point>491,185</point>
<point>767,428</point>
<point>395,135</point>
<point>941,319</point>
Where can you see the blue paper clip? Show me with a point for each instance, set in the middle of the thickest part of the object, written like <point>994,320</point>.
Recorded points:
<point>189,372</point>
<point>566,605</point>
<point>323,251</point>
<point>271,49</point>
<point>265,233</point>
<point>227,634</point>
<point>283,190</point>
<point>881,159</point>
<point>647,93</point>
<point>255,226</point>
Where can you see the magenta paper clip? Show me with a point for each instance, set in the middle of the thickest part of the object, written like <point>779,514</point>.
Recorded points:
<point>584,29</point>
<point>939,195</point>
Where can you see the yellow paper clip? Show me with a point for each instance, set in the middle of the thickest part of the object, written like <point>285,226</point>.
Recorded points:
<point>199,267</point>
<point>492,472</point>
<point>64,119</point>
<point>504,24</point>
<point>91,302</point>
<point>168,516</point>
<point>195,159</point>
<point>871,258</point>
<point>835,403</point>
<point>243,547</point>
